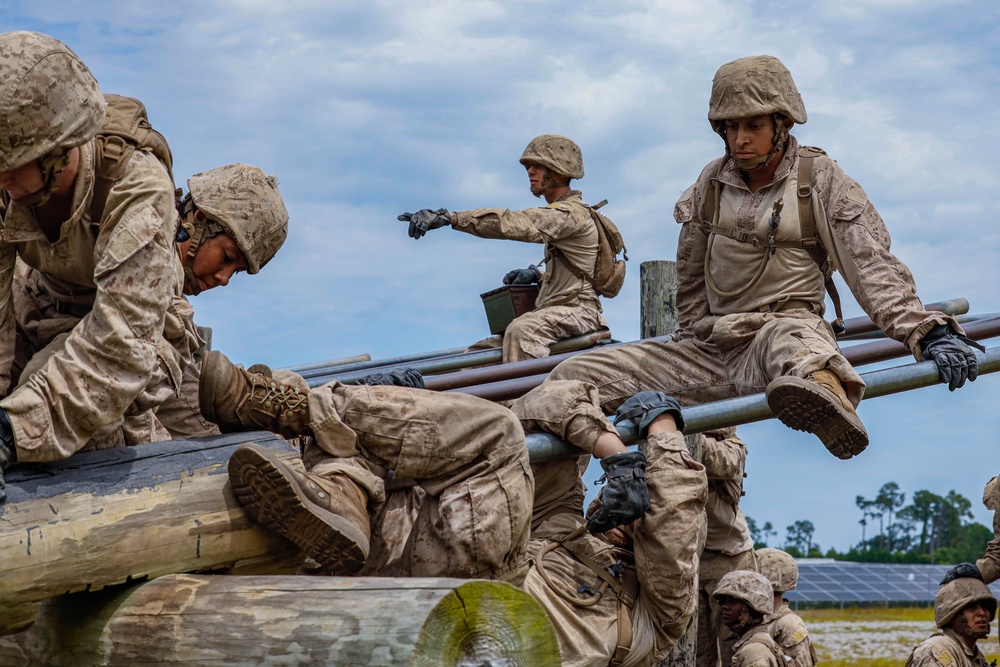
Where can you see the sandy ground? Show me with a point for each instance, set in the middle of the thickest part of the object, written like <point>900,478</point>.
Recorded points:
<point>877,639</point>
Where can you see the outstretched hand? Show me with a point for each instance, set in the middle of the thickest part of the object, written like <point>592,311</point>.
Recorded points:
<point>425,219</point>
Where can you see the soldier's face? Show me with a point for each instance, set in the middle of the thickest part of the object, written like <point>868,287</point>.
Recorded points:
<point>976,618</point>
<point>536,176</point>
<point>217,260</point>
<point>750,138</point>
<point>731,610</point>
<point>23,181</point>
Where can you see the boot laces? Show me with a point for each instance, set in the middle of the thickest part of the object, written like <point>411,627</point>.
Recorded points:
<point>269,395</point>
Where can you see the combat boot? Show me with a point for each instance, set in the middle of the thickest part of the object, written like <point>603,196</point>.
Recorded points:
<point>818,404</point>
<point>238,400</point>
<point>326,517</point>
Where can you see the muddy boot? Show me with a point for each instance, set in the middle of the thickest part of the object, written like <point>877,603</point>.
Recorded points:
<point>819,405</point>
<point>325,517</point>
<point>238,400</point>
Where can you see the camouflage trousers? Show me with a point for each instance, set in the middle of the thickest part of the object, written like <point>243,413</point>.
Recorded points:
<point>665,552</point>
<point>718,358</point>
<point>530,335</point>
<point>447,475</point>
<point>715,640</point>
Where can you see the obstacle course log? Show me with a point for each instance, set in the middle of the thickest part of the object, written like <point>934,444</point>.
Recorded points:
<point>102,518</point>
<point>290,620</point>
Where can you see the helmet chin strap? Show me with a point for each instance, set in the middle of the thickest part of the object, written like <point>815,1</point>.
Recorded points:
<point>777,144</point>
<point>198,231</point>
<point>51,165</point>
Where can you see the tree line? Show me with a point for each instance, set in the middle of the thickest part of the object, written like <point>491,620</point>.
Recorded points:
<point>931,528</point>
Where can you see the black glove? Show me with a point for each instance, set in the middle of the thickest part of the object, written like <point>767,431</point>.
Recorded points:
<point>528,276</point>
<point>624,497</point>
<point>962,571</point>
<point>646,406</point>
<point>953,355</point>
<point>405,377</point>
<point>8,452</point>
<point>425,219</point>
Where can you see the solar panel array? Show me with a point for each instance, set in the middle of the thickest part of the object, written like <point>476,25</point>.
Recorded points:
<point>822,580</point>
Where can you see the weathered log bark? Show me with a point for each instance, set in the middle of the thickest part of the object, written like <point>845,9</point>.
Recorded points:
<point>231,620</point>
<point>102,518</point>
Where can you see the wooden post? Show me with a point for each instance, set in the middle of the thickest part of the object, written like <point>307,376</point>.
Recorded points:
<point>657,298</point>
<point>106,517</point>
<point>658,317</point>
<point>289,620</point>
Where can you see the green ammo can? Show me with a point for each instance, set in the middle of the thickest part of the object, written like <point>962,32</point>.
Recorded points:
<point>505,303</point>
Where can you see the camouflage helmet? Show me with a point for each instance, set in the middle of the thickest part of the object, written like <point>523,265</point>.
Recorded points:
<point>954,596</point>
<point>556,152</point>
<point>749,587</point>
<point>754,86</point>
<point>246,203</point>
<point>779,568</point>
<point>48,99</point>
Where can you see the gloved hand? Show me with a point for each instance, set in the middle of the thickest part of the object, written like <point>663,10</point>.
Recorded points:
<point>8,453</point>
<point>624,497</point>
<point>962,571</point>
<point>528,276</point>
<point>953,355</point>
<point>646,406</point>
<point>424,220</point>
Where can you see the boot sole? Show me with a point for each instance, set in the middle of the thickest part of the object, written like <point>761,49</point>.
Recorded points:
<point>805,406</point>
<point>270,495</point>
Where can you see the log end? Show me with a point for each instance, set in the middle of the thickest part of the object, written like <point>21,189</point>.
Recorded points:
<point>486,623</point>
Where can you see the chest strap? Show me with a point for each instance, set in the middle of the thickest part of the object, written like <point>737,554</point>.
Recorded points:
<point>621,578</point>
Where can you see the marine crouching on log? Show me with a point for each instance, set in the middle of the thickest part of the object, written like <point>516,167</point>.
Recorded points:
<point>400,481</point>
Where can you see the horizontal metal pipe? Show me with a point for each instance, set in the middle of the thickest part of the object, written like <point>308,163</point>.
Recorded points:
<point>857,355</point>
<point>458,361</point>
<point>470,377</point>
<point>747,409</point>
<point>340,363</point>
<point>322,370</point>
<point>878,335</point>
<point>864,324</point>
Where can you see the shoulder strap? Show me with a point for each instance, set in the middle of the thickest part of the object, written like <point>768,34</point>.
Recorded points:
<point>807,223</point>
<point>764,638</point>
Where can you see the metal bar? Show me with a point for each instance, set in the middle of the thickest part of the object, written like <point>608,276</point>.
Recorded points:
<point>356,359</point>
<point>878,335</point>
<point>747,409</point>
<point>857,355</point>
<point>864,324</point>
<point>454,362</point>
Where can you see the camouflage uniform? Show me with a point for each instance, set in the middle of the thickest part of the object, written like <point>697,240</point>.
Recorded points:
<point>946,650</point>
<point>989,564</point>
<point>567,305</point>
<point>658,572</point>
<point>728,545</point>
<point>447,477</point>
<point>789,630</point>
<point>749,316</point>
<point>244,203</point>
<point>100,314</point>
<point>755,647</point>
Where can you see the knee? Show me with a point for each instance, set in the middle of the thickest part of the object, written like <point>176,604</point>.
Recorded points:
<point>571,369</point>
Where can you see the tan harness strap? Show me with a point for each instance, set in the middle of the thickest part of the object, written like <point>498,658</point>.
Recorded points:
<point>807,222</point>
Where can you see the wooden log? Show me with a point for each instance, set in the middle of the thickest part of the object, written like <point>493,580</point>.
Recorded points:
<point>102,518</point>
<point>299,620</point>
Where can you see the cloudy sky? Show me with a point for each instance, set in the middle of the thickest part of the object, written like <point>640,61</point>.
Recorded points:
<point>365,109</point>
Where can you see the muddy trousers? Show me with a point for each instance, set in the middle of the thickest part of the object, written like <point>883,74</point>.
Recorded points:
<point>447,476</point>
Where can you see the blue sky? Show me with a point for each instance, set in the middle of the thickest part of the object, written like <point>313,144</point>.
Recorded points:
<point>367,109</point>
